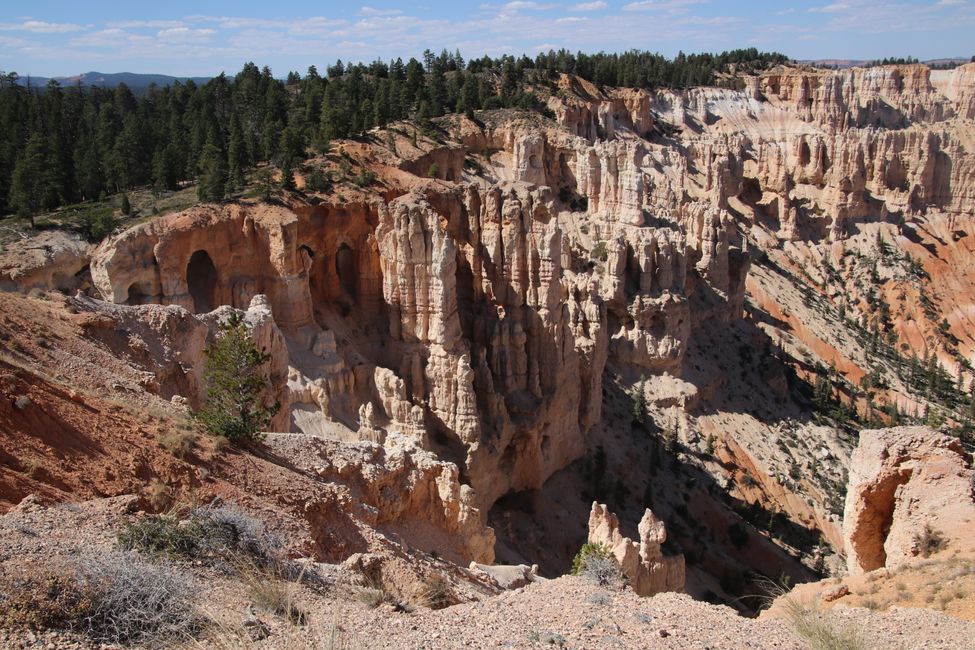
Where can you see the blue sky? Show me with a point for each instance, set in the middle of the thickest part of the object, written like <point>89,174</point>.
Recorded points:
<point>202,38</point>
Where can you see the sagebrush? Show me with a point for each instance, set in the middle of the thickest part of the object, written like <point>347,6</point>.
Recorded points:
<point>111,597</point>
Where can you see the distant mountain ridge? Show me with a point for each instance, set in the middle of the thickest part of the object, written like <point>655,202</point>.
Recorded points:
<point>133,80</point>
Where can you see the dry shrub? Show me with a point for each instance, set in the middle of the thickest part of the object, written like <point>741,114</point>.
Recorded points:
<point>930,541</point>
<point>595,562</point>
<point>373,593</point>
<point>179,443</point>
<point>33,467</point>
<point>157,494</point>
<point>271,590</point>
<point>214,534</point>
<point>819,628</point>
<point>227,537</point>
<point>111,597</point>
<point>435,593</point>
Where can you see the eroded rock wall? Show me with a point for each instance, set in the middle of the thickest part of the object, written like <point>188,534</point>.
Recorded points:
<point>909,488</point>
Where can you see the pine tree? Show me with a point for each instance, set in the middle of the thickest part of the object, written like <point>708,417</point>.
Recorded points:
<point>265,180</point>
<point>235,156</point>
<point>235,384</point>
<point>640,403</point>
<point>32,187</point>
<point>287,174</point>
<point>126,206</point>
<point>212,173</point>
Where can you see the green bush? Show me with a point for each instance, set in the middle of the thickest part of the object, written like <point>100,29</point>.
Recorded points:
<point>600,252</point>
<point>597,563</point>
<point>96,223</point>
<point>235,384</point>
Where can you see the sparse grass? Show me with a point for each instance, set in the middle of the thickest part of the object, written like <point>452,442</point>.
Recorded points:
<point>270,590</point>
<point>157,494</point>
<point>370,597</point>
<point>219,443</point>
<point>113,597</point>
<point>179,443</point>
<point>435,593</point>
<point>373,592</point>
<point>232,636</point>
<point>819,628</point>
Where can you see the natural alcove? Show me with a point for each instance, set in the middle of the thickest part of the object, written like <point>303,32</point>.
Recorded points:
<point>345,269</point>
<point>201,279</point>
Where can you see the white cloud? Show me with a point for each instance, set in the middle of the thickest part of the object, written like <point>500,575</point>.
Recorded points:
<point>41,27</point>
<point>835,8</point>
<point>139,24</point>
<point>521,5</point>
<point>184,34</point>
<point>371,11</point>
<point>661,5</point>
<point>588,6</point>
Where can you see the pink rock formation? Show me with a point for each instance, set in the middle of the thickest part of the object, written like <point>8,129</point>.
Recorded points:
<point>648,570</point>
<point>902,481</point>
<point>49,260</point>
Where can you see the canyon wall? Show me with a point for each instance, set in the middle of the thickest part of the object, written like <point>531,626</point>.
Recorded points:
<point>483,312</point>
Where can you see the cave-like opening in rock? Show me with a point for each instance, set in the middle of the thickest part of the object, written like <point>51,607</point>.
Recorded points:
<point>465,296</point>
<point>201,278</point>
<point>137,295</point>
<point>345,269</point>
<point>658,326</point>
<point>633,272</point>
<point>875,521</point>
<point>804,154</point>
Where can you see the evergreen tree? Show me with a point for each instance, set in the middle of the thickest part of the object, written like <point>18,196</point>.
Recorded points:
<point>126,207</point>
<point>212,173</point>
<point>235,156</point>
<point>235,385</point>
<point>33,187</point>
<point>287,174</point>
<point>640,403</point>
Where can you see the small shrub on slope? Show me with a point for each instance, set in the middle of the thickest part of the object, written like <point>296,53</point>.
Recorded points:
<point>595,562</point>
